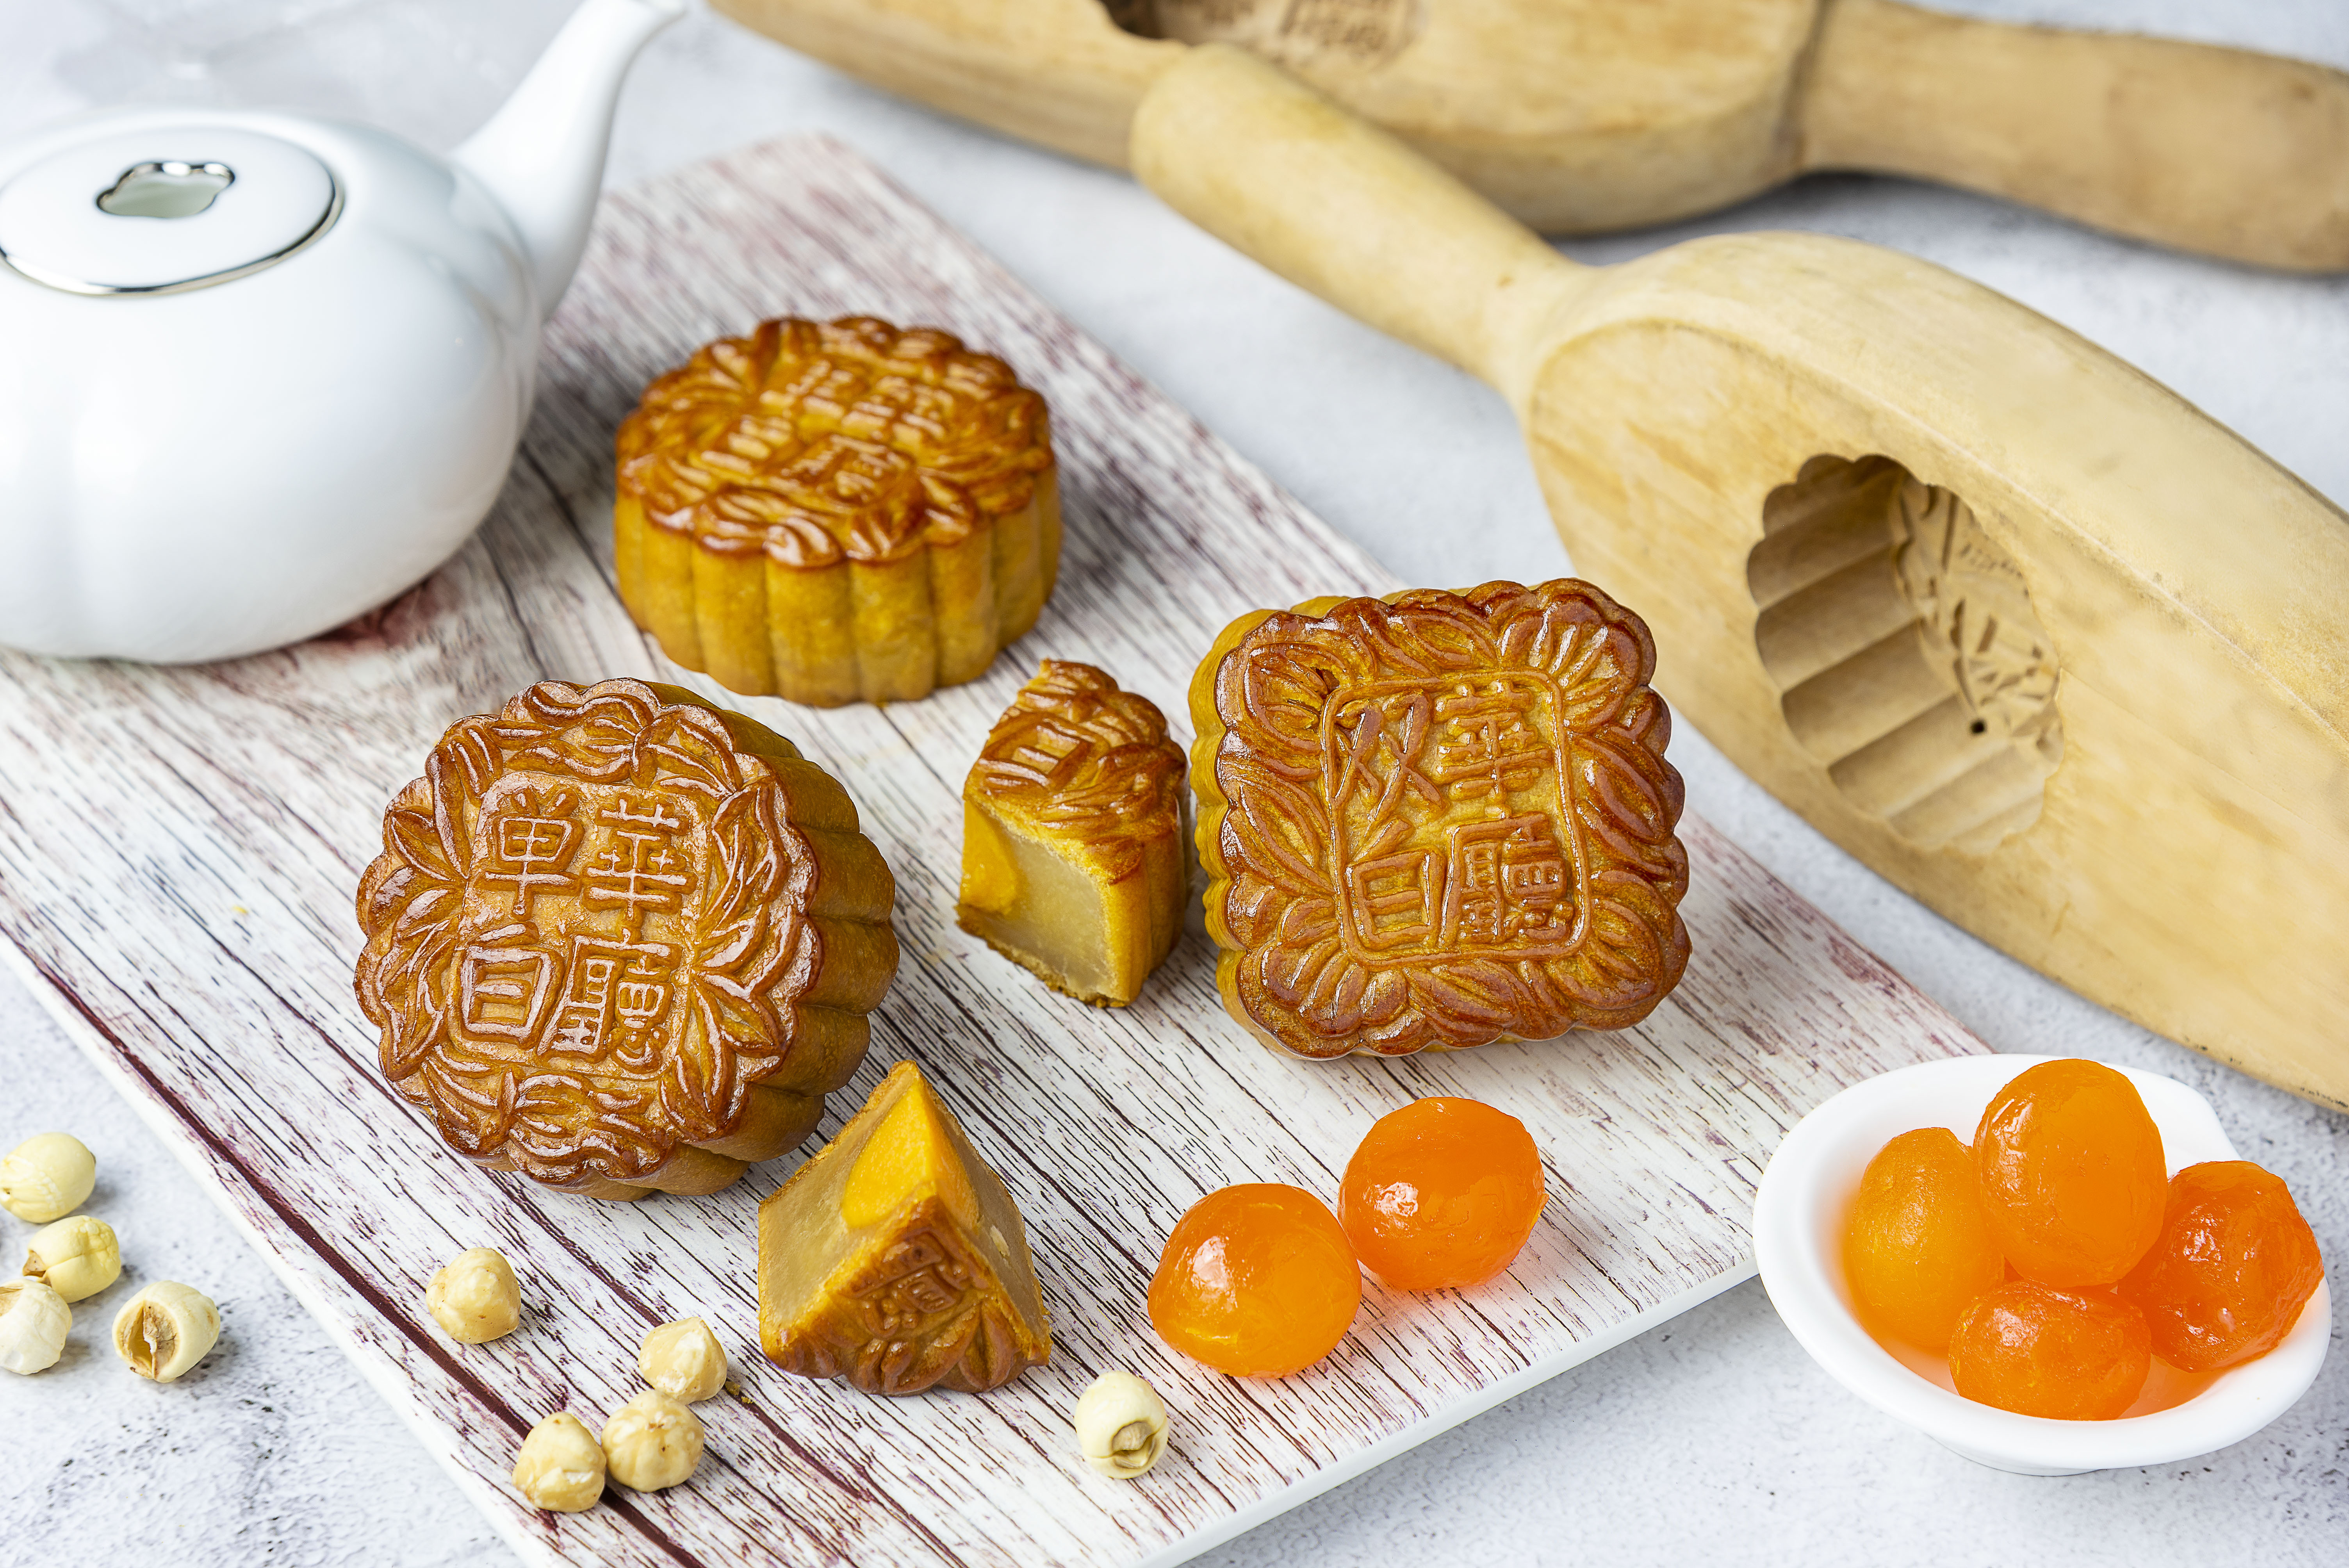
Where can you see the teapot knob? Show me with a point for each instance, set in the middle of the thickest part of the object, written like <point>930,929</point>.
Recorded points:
<point>165,187</point>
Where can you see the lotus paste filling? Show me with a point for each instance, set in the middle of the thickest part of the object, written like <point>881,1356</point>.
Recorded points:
<point>1439,820</point>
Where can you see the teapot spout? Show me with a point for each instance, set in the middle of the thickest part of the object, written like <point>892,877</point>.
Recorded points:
<point>542,154</point>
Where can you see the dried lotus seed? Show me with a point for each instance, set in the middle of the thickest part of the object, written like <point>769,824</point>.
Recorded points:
<point>475,1298</point>
<point>76,1258</point>
<point>34,1321</point>
<point>561,1465</point>
<point>684,1360</point>
<point>652,1442</point>
<point>166,1330</point>
<point>1121,1425</point>
<point>47,1177</point>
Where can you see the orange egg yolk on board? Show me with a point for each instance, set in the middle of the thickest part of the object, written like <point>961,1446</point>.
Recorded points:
<point>1442,1194</point>
<point>1256,1280</point>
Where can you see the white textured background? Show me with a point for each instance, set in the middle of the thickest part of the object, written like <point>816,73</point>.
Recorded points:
<point>1713,1437</point>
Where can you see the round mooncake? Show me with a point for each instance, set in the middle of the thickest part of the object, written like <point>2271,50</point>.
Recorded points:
<point>1438,820</point>
<point>620,940</point>
<point>829,511</point>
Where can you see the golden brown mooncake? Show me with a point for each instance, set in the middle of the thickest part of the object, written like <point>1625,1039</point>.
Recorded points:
<point>1438,820</point>
<point>1072,860</point>
<point>621,939</point>
<point>895,1258</point>
<point>826,511</point>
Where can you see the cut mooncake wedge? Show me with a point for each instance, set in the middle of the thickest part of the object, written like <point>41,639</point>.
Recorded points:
<point>1438,820</point>
<point>1072,853</point>
<point>838,511</point>
<point>620,940</point>
<point>895,1259</point>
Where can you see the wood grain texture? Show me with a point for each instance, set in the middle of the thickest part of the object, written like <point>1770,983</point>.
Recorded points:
<point>178,849</point>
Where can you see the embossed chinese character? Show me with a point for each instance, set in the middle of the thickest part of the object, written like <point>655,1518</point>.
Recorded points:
<point>529,846</point>
<point>502,991</point>
<point>1488,749</point>
<point>616,991</point>
<point>1506,881</point>
<point>639,869</point>
<point>1387,732</point>
<point>1432,856</point>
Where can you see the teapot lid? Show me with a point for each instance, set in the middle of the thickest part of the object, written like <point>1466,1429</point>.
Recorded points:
<point>164,210</point>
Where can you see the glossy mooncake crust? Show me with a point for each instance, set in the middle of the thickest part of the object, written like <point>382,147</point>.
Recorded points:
<point>1438,820</point>
<point>837,511</point>
<point>620,940</point>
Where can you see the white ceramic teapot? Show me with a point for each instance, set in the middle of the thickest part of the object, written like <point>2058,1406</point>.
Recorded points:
<point>259,372</point>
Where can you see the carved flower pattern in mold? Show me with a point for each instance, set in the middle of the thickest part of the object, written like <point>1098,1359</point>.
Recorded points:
<point>1075,754</point>
<point>1974,617</point>
<point>586,936</point>
<point>1445,820</point>
<point>1298,33</point>
<point>814,442</point>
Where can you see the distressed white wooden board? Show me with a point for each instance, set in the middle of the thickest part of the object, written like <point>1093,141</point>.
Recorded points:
<point>178,849</point>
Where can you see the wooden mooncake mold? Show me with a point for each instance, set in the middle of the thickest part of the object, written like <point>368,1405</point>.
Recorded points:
<point>895,1258</point>
<point>1072,860</point>
<point>829,511</point>
<point>1438,820</point>
<point>621,939</point>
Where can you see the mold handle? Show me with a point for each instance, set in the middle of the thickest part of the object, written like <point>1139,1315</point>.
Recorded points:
<point>542,154</point>
<point>1273,169</point>
<point>2220,150</point>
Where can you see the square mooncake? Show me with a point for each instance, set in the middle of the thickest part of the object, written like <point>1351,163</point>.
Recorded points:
<point>1438,820</point>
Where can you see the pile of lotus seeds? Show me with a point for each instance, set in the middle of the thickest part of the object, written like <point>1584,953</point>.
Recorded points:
<point>651,1443</point>
<point>655,1442</point>
<point>160,1332</point>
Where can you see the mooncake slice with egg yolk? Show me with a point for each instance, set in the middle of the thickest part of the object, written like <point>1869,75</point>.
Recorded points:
<point>1072,853</point>
<point>895,1258</point>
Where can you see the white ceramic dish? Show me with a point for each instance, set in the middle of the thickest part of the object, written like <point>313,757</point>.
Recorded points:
<point>1798,1217</point>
